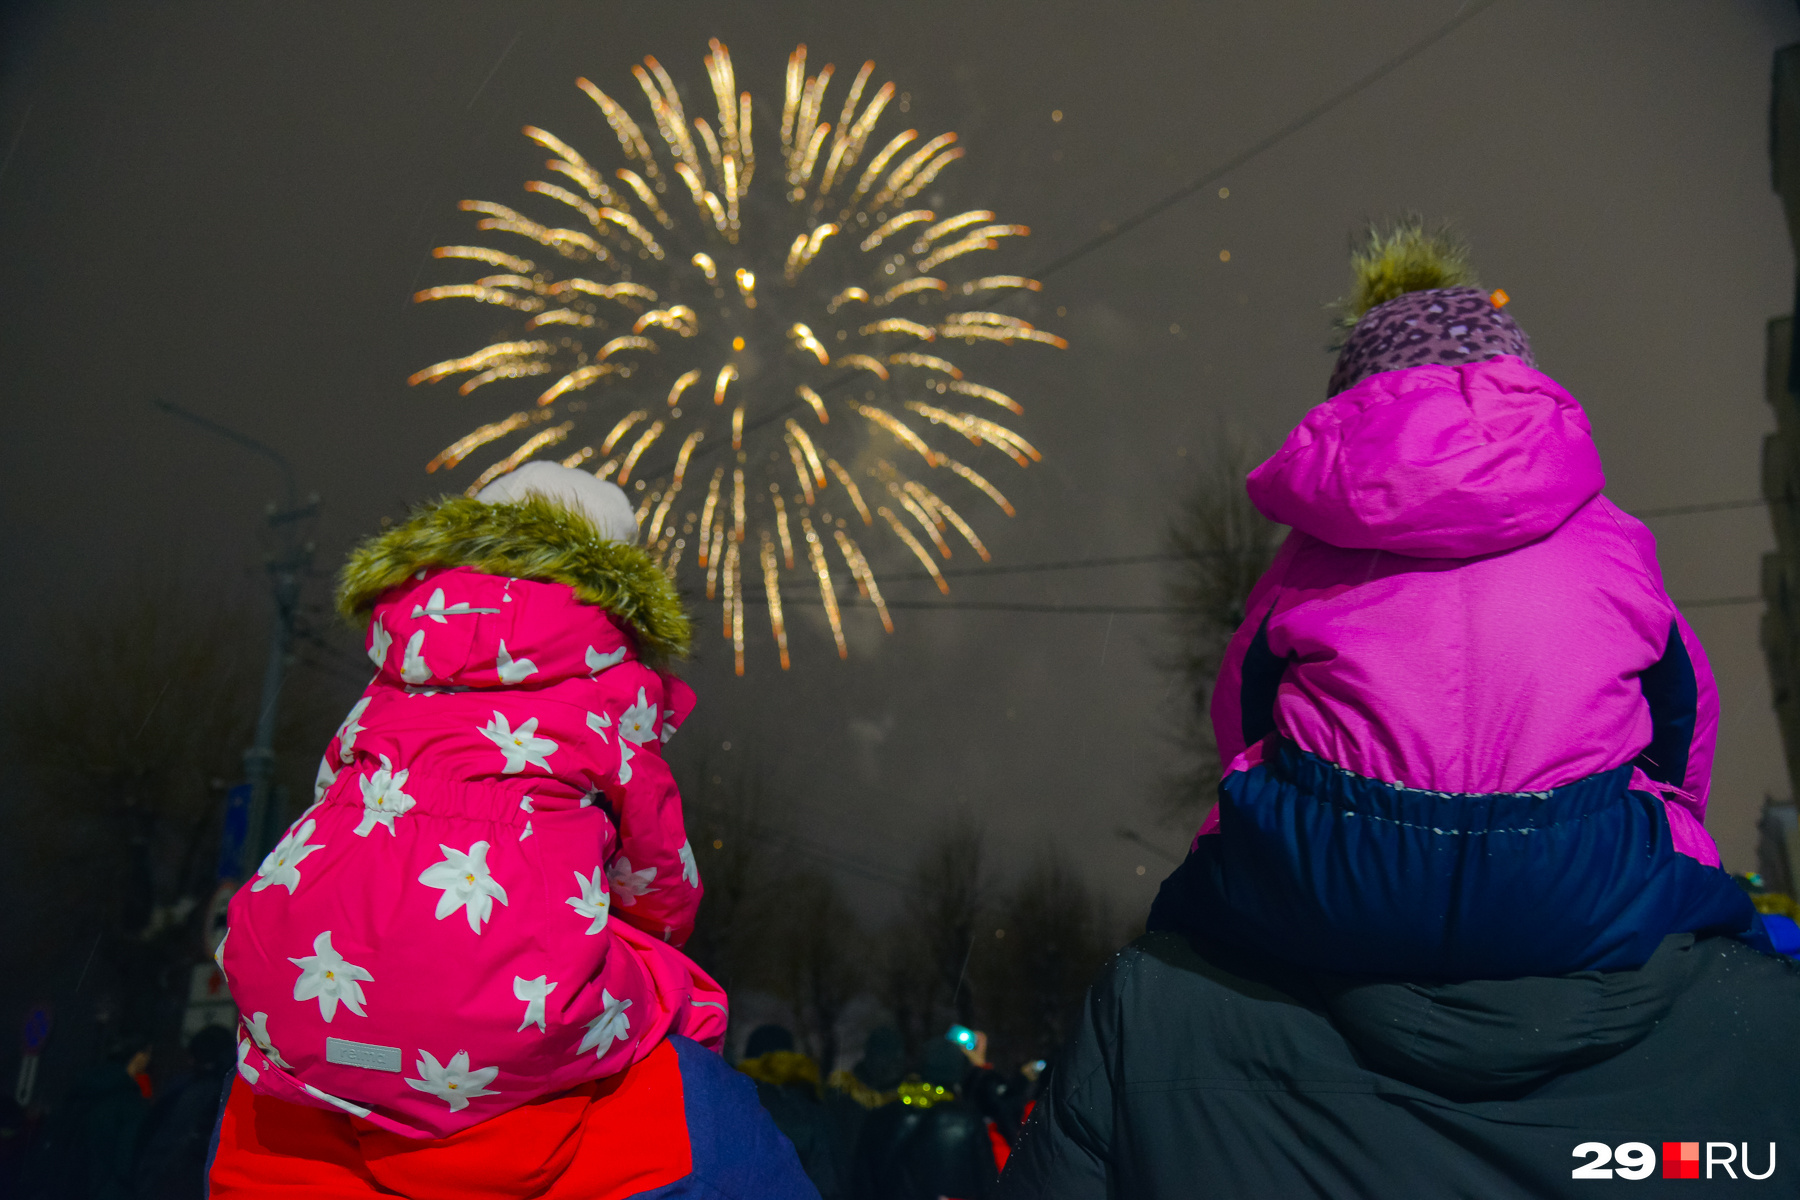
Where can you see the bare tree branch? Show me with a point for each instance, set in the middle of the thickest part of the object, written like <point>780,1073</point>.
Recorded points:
<point>1223,546</point>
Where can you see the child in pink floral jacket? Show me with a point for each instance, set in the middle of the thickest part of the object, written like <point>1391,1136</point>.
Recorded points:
<point>483,905</point>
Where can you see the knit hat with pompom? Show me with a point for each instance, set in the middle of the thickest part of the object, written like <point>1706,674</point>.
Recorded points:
<point>1414,303</point>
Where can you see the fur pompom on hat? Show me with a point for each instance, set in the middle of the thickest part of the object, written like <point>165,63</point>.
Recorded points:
<point>1414,303</point>
<point>603,504</point>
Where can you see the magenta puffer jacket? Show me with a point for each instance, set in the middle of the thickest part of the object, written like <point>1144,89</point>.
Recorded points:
<point>1459,609</point>
<point>484,904</point>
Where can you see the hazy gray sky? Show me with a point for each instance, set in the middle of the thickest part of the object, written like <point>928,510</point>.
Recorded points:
<point>229,204</point>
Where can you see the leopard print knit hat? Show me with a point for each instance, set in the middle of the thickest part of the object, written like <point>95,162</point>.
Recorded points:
<point>1439,325</point>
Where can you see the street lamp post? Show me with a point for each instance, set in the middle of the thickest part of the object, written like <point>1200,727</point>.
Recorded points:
<point>287,567</point>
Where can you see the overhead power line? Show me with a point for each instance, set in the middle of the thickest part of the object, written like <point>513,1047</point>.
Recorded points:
<point>1067,564</point>
<point>1122,610</point>
<point>1127,560</point>
<point>1719,602</point>
<point>1027,606</point>
<point>1682,510</point>
<point>1117,230</point>
<point>1116,560</point>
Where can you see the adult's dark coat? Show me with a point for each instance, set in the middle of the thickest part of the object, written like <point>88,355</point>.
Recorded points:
<point>908,1153</point>
<point>800,1116</point>
<point>1197,1073</point>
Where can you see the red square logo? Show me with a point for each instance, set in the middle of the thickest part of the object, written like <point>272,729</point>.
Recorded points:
<point>1681,1160</point>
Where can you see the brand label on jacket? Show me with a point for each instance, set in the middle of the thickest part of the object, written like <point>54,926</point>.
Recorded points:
<point>361,1054</point>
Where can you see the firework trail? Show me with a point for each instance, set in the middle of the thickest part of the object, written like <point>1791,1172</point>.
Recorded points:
<point>763,353</point>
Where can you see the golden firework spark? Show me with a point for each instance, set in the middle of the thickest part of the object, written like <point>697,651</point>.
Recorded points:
<point>772,589</point>
<point>458,450</point>
<point>808,288</point>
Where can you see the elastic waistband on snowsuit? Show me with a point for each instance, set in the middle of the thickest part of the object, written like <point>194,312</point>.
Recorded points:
<point>1329,869</point>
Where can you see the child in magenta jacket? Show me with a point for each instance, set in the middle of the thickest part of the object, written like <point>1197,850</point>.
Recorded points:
<point>484,904</point>
<point>1467,732</point>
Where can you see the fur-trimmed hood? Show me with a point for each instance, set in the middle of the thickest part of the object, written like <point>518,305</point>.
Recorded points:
<point>533,539</point>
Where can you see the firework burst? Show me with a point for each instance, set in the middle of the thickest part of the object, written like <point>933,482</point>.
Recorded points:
<point>766,354</point>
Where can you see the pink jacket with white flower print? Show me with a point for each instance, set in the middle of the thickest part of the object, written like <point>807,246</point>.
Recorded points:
<point>484,903</point>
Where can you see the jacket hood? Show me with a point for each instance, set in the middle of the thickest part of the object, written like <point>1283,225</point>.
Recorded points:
<point>1488,1039</point>
<point>1435,462</point>
<point>532,539</point>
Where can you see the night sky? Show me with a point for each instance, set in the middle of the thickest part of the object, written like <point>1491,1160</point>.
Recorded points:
<point>228,205</point>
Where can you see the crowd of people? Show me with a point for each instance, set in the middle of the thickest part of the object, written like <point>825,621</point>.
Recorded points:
<point>879,1131</point>
<point>114,1137</point>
